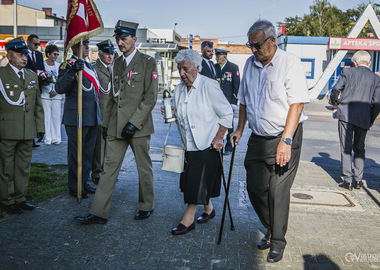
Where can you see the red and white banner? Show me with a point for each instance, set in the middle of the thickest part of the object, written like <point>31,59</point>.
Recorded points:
<point>83,22</point>
<point>355,44</point>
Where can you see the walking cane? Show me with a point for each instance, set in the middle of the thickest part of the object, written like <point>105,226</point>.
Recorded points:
<point>226,201</point>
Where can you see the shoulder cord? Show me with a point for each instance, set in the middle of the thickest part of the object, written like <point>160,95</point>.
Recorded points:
<point>19,102</point>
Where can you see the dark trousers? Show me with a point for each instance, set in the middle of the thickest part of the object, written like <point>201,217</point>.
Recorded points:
<point>88,144</point>
<point>268,184</point>
<point>352,140</point>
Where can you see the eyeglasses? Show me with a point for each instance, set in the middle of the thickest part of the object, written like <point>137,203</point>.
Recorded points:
<point>37,44</point>
<point>257,46</point>
<point>56,54</point>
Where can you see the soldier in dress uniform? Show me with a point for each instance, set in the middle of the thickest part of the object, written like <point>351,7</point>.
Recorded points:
<point>127,122</point>
<point>21,119</point>
<point>229,78</point>
<point>103,68</point>
<point>67,83</point>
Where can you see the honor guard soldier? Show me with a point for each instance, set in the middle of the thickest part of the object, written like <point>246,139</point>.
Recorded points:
<point>67,83</point>
<point>21,119</point>
<point>127,122</point>
<point>103,68</point>
<point>228,76</point>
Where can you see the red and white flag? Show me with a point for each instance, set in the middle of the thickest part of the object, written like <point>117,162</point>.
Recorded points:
<point>83,22</point>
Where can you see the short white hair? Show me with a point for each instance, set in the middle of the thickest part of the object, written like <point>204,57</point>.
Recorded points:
<point>361,56</point>
<point>189,56</point>
<point>266,26</point>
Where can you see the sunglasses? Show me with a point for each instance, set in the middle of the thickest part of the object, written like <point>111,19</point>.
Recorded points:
<point>56,54</point>
<point>257,46</point>
<point>208,43</point>
<point>37,44</point>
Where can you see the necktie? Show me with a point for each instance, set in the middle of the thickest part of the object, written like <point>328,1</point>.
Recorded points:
<point>33,60</point>
<point>212,67</point>
<point>21,77</point>
<point>125,64</point>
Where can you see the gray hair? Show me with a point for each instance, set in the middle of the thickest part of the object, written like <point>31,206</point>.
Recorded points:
<point>361,56</point>
<point>266,26</point>
<point>189,56</point>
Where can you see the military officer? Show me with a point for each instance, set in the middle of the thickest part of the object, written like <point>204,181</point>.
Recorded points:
<point>21,119</point>
<point>102,66</point>
<point>67,84</point>
<point>127,122</point>
<point>229,78</point>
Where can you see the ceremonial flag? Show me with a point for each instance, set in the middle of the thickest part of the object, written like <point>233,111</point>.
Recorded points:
<point>83,22</point>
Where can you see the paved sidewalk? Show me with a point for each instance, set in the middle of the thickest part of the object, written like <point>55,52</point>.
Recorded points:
<point>319,236</point>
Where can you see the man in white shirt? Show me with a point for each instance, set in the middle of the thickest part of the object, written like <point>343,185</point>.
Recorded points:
<point>272,95</point>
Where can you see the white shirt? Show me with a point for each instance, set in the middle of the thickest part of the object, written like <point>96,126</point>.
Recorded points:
<point>200,112</point>
<point>267,92</point>
<point>46,89</point>
<point>32,55</point>
<point>128,59</point>
<point>16,70</point>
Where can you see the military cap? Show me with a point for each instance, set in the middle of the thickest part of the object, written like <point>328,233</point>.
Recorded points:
<point>106,46</point>
<point>123,29</point>
<point>221,52</point>
<point>17,44</point>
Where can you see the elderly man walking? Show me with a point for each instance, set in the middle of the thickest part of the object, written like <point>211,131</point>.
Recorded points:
<point>272,95</point>
<point>359,90</point>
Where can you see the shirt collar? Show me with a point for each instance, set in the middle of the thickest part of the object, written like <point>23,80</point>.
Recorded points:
<point>197,81</point>
<point>221,67</point>
<point>16,70</point>
<point>128,59</point>
<point>272,62</point>
<point>106,66</point>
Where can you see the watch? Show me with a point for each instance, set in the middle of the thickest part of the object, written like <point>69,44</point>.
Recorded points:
<point>288,141</point>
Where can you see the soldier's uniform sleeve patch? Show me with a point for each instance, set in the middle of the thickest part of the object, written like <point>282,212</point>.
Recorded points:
<point>237,73</point>
<point>154,75</point>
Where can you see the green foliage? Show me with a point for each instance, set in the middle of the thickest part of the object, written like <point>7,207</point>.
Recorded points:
<point>327,20</point>
<point>45,182</point>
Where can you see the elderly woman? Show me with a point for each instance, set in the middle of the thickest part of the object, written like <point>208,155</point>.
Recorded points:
<point>203,115</point>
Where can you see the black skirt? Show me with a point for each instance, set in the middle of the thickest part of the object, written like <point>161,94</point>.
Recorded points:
<point>201,178</point>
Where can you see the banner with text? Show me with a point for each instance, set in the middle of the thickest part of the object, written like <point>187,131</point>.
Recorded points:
<point>355,44</point>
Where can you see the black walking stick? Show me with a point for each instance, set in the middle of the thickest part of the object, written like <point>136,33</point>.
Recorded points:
<point>226,201</point>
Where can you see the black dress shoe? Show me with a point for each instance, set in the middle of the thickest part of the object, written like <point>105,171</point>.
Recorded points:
<point>275,255</point>
<point>74,194</point>
<point>205,217</point>
<point>143,214</point>
<point>265,242</point>
<point>13,209</point>
<point>345,185</point>
<point>358,185</point>
<point>182,229</point>
<point>90,189</point>
<point>91,219</point>
<point>26,206</point>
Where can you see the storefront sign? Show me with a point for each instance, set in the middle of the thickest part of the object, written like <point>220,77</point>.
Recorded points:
<point>355,44</point>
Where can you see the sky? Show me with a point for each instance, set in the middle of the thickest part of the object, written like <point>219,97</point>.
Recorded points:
<point>224,19</point>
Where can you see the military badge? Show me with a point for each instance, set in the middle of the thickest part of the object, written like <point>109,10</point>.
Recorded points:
<point>154,75</point>
<point>7,86</point>
<point>11,93</point>
<point>237,73</point>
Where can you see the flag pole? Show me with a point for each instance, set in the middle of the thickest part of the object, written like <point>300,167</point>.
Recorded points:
<point>79,188</point>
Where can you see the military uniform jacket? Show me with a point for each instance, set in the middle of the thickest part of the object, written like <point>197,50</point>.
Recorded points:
<point>104,76</point>
<point>133,96</point>
<point>67,83</point>
<point>229,79</point>
<point>20,122</point>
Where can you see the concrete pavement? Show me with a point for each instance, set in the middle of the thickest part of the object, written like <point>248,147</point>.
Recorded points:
<point>329,228</point>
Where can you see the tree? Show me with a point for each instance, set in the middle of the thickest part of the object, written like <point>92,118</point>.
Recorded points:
<point>325,19</point>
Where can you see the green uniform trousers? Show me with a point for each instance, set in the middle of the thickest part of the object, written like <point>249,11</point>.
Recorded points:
<point>115,152</point>
<point>15,158</point>
<point>98,159</point>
